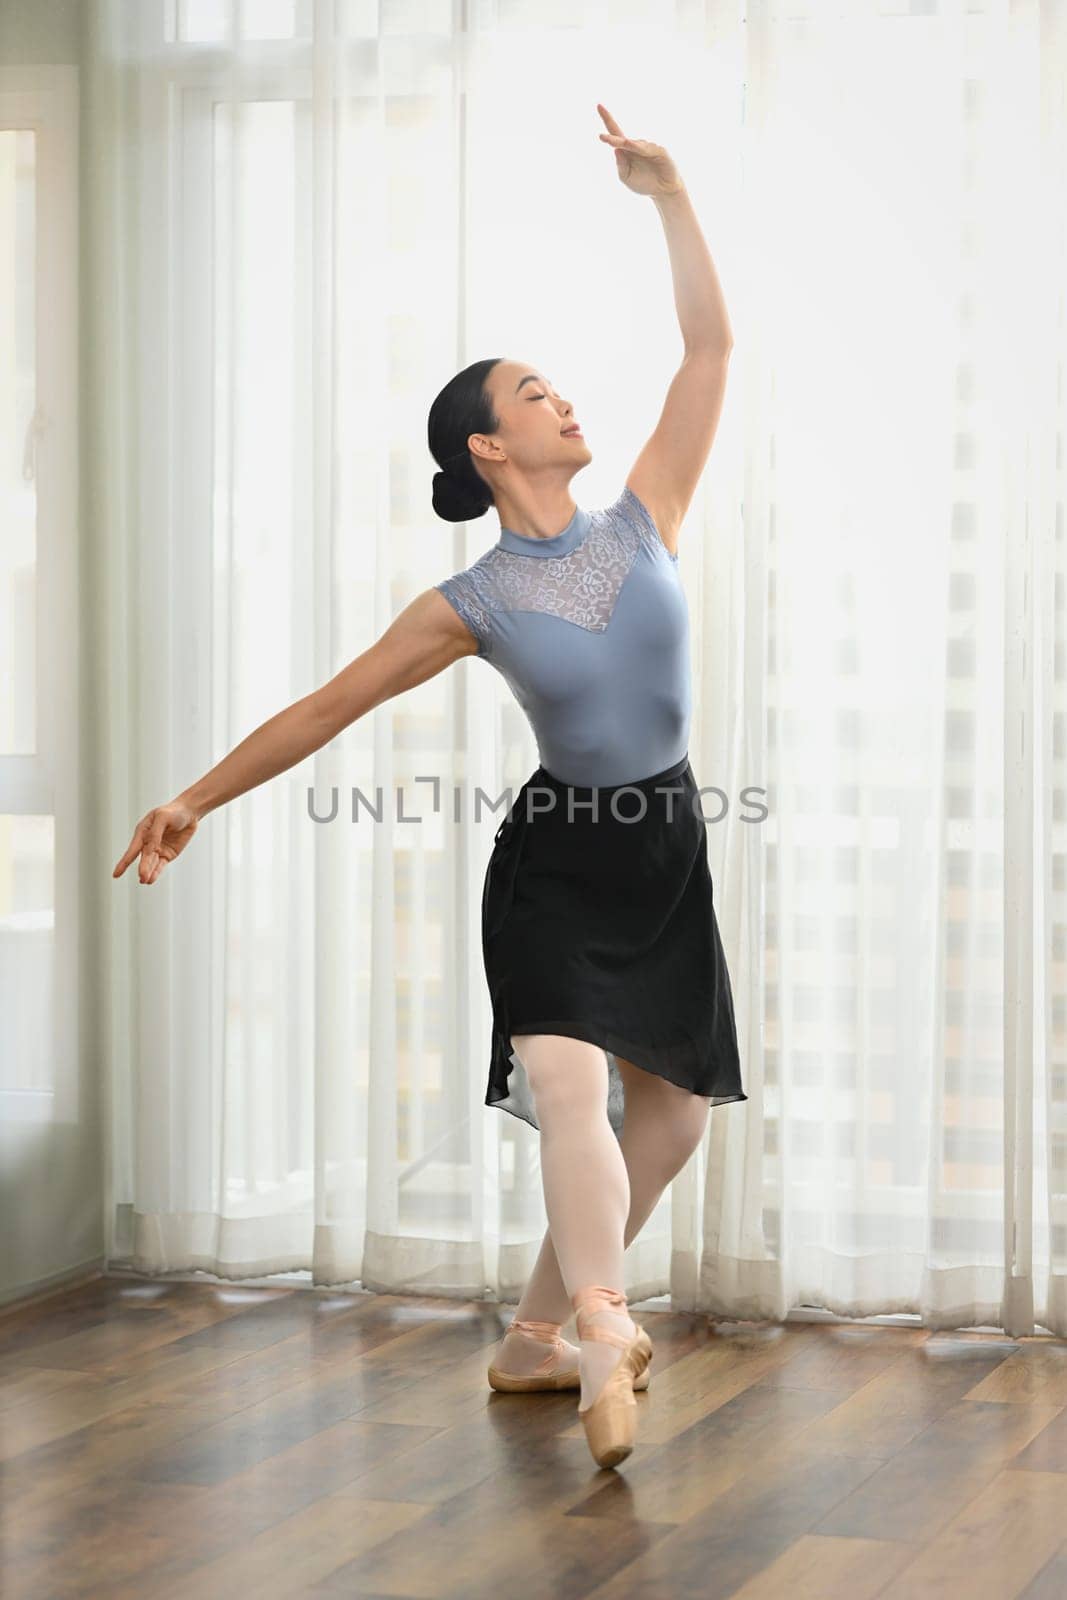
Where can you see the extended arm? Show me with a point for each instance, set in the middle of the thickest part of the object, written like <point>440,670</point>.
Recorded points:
<point>421,641</point>
<point>698,296</point>
<point>667,471</point>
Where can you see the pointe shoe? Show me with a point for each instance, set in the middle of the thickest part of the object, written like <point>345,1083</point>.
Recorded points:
<point>557,1371</point>
<point>611,1421</point>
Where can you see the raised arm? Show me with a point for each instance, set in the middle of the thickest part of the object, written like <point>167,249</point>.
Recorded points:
<point>668,469</point>
<point>420,642</point>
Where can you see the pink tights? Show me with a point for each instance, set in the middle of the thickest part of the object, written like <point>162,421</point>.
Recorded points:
<point>599,1190</point>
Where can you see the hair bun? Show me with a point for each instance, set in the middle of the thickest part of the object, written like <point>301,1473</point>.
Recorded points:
<point>454,502</point>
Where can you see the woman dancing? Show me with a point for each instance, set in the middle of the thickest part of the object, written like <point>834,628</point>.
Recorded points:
<point>613,1026</point>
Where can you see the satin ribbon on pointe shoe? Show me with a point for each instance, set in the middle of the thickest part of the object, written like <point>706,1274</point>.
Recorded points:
<point>610,1421</point>
<point>545,1333</point>
<point>548,1374</point>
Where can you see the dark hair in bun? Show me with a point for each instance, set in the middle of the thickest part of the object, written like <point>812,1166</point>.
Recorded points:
<point>463,407</point>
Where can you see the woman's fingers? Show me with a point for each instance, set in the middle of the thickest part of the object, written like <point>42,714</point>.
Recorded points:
<point>124,860</point>
<point>158,838</point>
<point>147,837</point>
<point>158,862</point>
<point>609,119</point>
<point>149,853</point>
<point>133,849</point>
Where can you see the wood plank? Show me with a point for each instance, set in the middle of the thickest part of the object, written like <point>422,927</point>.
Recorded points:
<point>181,1439</point>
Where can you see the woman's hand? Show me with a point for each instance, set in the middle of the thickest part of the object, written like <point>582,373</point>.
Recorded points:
<point>643,167</point>
<point>161,834</point>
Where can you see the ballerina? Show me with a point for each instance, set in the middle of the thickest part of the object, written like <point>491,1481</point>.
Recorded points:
<point>613,1027</point>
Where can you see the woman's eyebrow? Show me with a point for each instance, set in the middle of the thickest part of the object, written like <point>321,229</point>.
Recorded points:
<point>531,377</point>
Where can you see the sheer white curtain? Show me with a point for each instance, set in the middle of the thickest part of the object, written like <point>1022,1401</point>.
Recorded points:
<point>903,510</point>
<point>304,217</point>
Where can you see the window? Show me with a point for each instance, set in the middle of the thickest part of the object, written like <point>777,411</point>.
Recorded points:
<point>39,788</point>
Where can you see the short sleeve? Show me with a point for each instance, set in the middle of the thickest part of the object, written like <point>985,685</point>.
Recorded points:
<point>636,509</point>
<point>462,596</point>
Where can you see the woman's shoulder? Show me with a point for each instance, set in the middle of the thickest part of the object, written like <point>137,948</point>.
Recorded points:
<point>473,593</point>
<point>630,520</point>
<point>478,576</point>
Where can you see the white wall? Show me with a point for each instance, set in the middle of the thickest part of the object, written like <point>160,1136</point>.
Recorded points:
<point>51,1150</point>
<point>46,32</point>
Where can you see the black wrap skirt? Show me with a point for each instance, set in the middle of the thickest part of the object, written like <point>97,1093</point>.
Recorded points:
<point>598,922</point>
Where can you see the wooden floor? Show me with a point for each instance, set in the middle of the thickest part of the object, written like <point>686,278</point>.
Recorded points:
<point>178,1439</point>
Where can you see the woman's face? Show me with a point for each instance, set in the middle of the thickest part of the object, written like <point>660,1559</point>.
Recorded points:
<point>534,418</point>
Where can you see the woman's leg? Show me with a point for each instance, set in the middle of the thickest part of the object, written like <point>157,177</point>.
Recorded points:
<point>586,1185</point>
<point>662,1127</point>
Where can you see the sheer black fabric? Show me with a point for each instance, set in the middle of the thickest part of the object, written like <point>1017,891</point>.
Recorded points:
<point>600,924</point>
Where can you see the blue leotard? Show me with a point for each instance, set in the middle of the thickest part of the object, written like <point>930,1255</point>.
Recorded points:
<point>590,630</point>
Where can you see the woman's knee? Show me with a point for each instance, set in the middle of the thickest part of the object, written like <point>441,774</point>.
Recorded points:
<point>689,1127</point>
<point>677,1116</point>
<point>562,1069</point>
<point>678,1130</point>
